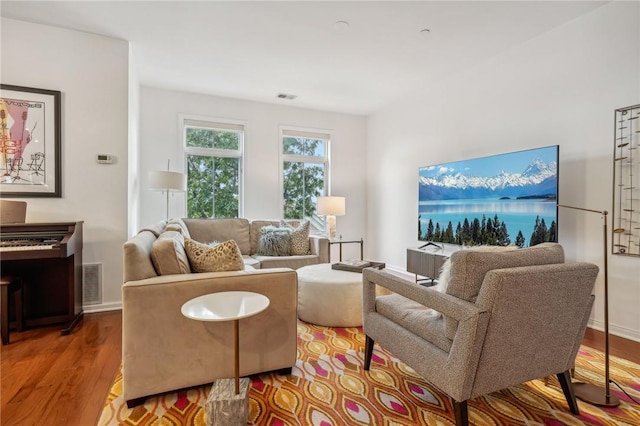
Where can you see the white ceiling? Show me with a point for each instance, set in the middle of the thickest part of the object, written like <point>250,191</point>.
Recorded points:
<point>255,50</point>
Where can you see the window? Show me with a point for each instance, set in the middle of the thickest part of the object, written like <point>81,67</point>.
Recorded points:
<point>305,171</point>
<point>213,152</point>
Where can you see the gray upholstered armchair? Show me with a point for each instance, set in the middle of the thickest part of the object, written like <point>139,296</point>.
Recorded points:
<point>507,318</point>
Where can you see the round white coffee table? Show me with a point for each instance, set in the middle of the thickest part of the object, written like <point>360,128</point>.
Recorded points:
<point>329,297</point>
<point>227,306</point>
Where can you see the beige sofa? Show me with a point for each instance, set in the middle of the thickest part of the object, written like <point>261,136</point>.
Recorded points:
<point>247,234</point>
<point>162,350</point>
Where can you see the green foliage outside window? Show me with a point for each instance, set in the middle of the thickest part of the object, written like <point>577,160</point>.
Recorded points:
<point>303,181</point>
<point>212,181</point>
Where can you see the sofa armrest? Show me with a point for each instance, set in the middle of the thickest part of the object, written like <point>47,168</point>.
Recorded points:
<point>163,350</point>
<point>320,246</point>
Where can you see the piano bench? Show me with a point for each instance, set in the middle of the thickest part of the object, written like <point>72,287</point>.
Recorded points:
<point>13,286</point>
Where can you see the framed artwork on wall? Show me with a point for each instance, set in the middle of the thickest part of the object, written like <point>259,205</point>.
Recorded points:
<point>30,139</point>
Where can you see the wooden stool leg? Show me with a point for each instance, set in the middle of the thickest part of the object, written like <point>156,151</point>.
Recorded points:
<point>4,312</point>
<point>17,301</point>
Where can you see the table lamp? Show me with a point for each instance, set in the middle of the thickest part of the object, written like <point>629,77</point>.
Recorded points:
<point>167,181</point>
<point>330,207</point>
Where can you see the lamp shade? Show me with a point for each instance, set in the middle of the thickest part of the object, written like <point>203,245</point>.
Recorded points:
<point>167,181</point>
<point>330,206</point>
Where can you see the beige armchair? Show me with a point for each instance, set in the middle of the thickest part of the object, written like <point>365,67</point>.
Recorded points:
<point>505,318</point>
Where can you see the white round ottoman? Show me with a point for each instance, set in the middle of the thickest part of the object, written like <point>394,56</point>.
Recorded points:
<point>329,297</point>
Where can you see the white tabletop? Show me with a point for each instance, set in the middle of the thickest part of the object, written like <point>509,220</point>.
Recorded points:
<point>225,306</point>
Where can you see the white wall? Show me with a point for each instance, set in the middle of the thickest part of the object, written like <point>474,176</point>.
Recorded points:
<point>560,88</point>
<point>92,73</point>
<point>161,140</point>
<point>133,147</point>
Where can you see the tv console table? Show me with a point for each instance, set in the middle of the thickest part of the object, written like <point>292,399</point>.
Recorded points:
<point>427,260</point>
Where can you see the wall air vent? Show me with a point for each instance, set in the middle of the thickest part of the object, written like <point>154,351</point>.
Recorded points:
<point>286,96</point>
<point>92,283</point>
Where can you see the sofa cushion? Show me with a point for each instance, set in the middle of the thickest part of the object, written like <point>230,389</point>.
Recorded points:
<point>225,256</point>
<point>156,229</point>
<point>137,259</point>
<point>251,262</point>
<point>299,238</point>
<point>274,241</point>
<point>293,262</point>
<point>415,317</point>
<point>208,230</point>
<point>178,224</point>
<point>168,254</point>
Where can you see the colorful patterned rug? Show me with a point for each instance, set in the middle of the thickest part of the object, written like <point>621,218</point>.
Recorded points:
<point>328,386</point>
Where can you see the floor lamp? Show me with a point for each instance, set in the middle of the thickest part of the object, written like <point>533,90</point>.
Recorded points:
<point>586,391</point>
<point>167,181</point>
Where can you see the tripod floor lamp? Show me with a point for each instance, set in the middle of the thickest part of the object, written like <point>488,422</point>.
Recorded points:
<point>167,181</point>
<point>586,391</point>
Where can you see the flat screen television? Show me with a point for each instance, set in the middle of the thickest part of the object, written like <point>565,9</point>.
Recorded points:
<point>505,199</point>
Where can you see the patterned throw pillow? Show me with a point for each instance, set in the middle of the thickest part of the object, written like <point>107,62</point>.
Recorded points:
<point>274,241</point>
<point>225,256</point>
<point>299,238</point>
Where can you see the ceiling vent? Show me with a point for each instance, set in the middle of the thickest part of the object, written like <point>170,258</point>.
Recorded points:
<point>286,96</point>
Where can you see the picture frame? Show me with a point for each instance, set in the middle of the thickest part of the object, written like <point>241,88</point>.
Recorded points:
<point>30,142</point>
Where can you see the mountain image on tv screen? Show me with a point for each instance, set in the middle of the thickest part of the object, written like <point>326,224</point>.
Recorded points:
<point>505,199</point>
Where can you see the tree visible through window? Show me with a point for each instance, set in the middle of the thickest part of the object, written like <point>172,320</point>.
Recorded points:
<point>304,172</point>
<point>214,167</point>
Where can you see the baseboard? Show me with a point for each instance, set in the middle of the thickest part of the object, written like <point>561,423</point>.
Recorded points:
<point>615,330</point>
<point>102,307</point>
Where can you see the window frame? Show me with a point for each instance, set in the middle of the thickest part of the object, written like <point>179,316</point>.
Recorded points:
<point>215,123</point>
<point>311,133</point>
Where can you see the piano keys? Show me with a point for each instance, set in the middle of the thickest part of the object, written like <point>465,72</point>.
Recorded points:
<point>48,259</point>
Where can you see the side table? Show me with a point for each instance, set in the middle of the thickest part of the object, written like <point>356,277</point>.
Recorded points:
<point>341,242</point>
<point>223,408</point>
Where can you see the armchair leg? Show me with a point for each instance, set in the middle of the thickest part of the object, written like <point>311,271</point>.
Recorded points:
<point>462,415</point>
<point>368,352</point>
<point>567,388</point>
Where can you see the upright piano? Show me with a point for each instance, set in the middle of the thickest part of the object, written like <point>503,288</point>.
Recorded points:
<point>47,257</point>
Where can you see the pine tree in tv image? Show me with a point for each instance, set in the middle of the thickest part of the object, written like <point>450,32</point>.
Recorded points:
<point>497,200</point>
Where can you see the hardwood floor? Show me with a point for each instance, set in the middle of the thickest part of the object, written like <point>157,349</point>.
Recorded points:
<point>49,379</point>
<point>64,380</point>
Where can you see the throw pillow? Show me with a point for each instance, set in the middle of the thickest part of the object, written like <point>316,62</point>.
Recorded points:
<point>225,256</point>
<point>299,237</point>
<point>443,279</point>
<point>168,254</point>
<point>274,241</point>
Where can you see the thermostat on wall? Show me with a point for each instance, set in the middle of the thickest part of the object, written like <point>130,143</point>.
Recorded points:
<point>104,158</point>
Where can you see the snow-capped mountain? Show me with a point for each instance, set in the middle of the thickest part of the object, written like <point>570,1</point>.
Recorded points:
<point>538,179</point>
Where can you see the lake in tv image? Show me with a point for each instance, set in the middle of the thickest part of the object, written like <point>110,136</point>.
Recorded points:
<point>501,199</point>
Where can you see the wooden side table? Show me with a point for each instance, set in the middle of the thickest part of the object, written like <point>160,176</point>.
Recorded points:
<point>341,242</point>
